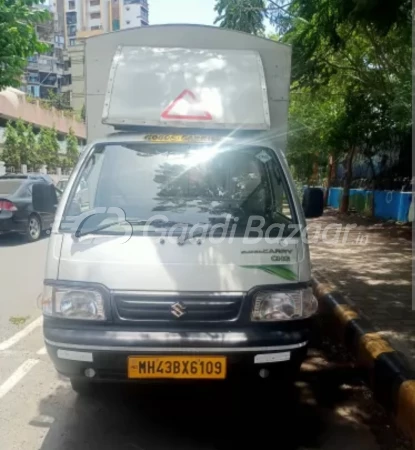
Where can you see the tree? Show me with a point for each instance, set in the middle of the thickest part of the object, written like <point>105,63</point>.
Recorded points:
<point>24,149</point>
<point>31,140</point>
<point>18,39</point>
<point>48,148</point>
<point>11,150</point>
<point>72,153</point>
<point>20,146</point>
<point>241,15</point>
<point>58,100</point>
<point>83,113</point>
<point>351,87</point>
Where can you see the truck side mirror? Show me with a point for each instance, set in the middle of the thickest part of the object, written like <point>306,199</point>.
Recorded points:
<point>44,197</point>
<point>313,202</point>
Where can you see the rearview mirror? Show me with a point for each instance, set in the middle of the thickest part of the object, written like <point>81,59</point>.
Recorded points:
<point>313,202</point>
<point>44,197</point>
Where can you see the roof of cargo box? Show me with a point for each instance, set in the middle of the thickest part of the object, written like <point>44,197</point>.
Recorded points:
<point>186,76</point>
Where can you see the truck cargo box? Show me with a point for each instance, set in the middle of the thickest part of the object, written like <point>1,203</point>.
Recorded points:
<point>188,88</point>
<point>189,76</point>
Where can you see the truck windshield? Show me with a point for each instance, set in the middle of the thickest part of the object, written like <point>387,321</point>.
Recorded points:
<point>163,185</point>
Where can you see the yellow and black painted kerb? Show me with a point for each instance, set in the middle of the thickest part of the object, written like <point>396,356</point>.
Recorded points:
<point>390,377</point>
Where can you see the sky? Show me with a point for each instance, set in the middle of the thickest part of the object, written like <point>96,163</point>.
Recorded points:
<point>183,11</point>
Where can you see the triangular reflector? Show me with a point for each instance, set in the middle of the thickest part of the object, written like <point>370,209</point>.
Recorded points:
<point>185,107</point>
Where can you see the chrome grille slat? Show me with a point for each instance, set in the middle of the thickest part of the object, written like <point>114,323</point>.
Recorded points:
<point>200,307</point>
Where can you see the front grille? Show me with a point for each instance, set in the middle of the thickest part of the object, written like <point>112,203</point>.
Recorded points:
<point>187,307</point>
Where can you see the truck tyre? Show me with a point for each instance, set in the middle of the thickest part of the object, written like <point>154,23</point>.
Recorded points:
<point>82,387</point>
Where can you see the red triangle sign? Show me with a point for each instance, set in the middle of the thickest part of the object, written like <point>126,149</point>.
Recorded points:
<point>183,108</point>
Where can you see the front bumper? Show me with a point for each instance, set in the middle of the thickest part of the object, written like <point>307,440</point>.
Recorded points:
<point>107,352</point>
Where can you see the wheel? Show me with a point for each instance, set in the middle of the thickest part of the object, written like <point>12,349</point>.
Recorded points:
<point>81,386</point>
<point>34,228</point>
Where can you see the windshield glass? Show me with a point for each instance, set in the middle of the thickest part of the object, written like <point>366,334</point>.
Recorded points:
<point>62,184</point>
<point>170,184</point>
<point>8,187</point>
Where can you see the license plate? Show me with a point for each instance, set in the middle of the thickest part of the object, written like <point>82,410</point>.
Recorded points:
<point>186,367</point>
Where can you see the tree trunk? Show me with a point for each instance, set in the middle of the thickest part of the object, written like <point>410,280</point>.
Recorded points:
<point>344,207</point>
<point>329,180</point>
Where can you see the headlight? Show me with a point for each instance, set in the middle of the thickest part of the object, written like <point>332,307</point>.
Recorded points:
<point>73,303</point>
<point>272,306</point>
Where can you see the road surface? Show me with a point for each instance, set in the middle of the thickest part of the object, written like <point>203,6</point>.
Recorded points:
<point>328,408</point>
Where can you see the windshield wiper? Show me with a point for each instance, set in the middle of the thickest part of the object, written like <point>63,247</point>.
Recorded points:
<point>156,223</point>
<point>79,233</point>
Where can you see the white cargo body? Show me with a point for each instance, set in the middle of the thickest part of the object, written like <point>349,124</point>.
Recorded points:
<point>186,76</point>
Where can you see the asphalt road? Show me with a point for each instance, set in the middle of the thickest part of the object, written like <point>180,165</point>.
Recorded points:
<point>327,408</point>
<point>22,267</point>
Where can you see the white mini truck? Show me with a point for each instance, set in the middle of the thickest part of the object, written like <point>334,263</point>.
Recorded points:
<point>185,256</point>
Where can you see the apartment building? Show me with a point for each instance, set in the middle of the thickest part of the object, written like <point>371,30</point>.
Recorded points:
<point>45,72</point>
<point>84,18</point>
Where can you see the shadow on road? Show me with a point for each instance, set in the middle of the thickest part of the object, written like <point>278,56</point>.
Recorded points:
<point>15,239</point>
<point>327,405</point>
<point>181,417</point>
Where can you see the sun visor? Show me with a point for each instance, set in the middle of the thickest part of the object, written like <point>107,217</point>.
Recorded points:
<point>187,88</point>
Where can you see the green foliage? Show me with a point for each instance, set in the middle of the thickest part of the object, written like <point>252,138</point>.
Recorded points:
<point>33,161</point>
<point>18,38</point>
<point>241,15</point>
<point>49,148</point>
<point>72,153</point>
<point>11,150</point>
<point>22,146</point>
<point>351,75</point>
<point>58,101</point>
<point>83,113</point>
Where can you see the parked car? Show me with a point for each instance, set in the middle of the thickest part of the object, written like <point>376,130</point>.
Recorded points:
<point>17,213</point>
<point>61,185</point>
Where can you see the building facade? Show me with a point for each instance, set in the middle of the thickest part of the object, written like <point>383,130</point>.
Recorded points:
<point>87,18</point>
<point>83,18</point>
<point>45,72</point>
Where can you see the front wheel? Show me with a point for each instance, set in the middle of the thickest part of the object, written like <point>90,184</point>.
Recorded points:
<point>34,228</point>
<point>82,387</point>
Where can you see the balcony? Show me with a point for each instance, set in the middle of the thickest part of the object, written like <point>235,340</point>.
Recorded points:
<point>33,65</point>
<point>94,9</point>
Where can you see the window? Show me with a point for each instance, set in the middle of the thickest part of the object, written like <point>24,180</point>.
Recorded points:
<point>72,42</point>
<point>71,18</point>
<point>191,185</point>
<point>9,186</point>
<point>71,4</point>
<point>144,14</point>
<point>26,190</point>
<point>96,27</point>
<point>94,3</point>
<point>72,30</point>
<point>95,15</point>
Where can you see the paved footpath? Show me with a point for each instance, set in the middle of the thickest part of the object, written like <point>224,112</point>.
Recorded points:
<point>376,276</point>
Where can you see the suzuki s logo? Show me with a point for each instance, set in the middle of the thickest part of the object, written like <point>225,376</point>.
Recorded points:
<point>178,310</point>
